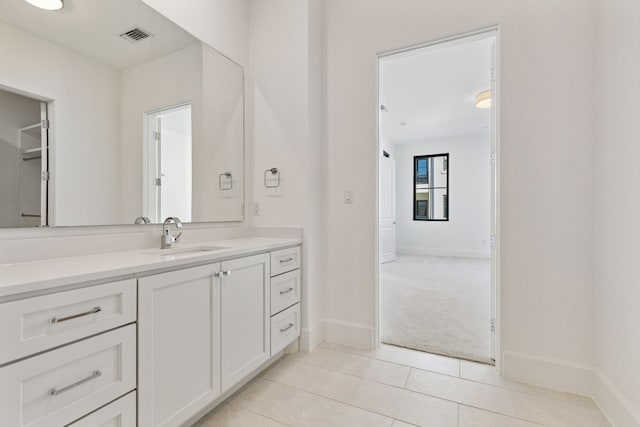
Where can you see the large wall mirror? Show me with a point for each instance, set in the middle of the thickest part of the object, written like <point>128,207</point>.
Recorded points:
<point>111,114</point>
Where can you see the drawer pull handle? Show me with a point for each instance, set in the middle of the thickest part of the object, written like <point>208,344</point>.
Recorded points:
<point>94,310</point>
<point>287,291</point>
<point>291,325</point>
<point>282,261</point>
<point>55,391</point>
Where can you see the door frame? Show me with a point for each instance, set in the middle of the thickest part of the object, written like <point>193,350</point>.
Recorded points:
<point>495,182</point>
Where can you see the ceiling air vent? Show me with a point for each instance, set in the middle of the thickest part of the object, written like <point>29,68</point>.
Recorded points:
<point>136,35</point>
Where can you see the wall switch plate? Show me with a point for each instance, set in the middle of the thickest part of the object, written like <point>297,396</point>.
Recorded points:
<point>348,196</point>
<point>256,209</point>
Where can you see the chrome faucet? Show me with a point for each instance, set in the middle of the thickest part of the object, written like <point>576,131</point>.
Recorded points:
<point>167,238</point>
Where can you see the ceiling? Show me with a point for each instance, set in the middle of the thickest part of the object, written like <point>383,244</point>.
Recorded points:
<point>432,91</point>
<point>93,27</point>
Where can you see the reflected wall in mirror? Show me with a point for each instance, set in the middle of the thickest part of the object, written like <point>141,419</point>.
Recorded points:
<point>144,120</point>
<point>431,187</point>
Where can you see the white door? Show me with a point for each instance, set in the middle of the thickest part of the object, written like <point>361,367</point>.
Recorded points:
<point>387,233</point>
<point>178,344</point>
<point>245,336</point>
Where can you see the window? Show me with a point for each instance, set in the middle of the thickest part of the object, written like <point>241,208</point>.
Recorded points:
<point>431,187</point>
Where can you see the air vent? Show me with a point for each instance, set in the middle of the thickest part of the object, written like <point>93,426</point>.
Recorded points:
<point>136,35</point>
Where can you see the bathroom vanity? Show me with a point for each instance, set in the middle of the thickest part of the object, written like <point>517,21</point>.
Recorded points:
<point>148,337</point>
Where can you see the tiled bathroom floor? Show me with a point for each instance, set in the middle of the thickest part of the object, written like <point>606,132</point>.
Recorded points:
<point>340,386</point>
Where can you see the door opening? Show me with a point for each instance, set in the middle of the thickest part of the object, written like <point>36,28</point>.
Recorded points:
<point>437,194</point>
<point>24,160</point>
<point>168,164</point>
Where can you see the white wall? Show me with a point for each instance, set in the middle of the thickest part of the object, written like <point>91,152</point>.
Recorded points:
<point>86,97</point>
<point>547,58</point>
<point>467,232</point>
<point>285,109</point>
<point>616,201</point>
<point>222,24</point>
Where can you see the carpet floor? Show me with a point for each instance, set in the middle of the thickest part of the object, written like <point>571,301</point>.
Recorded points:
<point>439,305</point>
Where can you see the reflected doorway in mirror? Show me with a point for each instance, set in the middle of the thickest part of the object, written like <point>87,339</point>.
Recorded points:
<point>168,163</point>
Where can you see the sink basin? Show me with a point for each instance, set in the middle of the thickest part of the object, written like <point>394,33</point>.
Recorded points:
<point>193,250</point>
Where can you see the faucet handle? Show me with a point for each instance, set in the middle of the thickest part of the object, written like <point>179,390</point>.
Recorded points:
<point>177,238</point>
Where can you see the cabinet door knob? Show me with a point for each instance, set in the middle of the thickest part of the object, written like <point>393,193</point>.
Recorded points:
<point>226,273</point>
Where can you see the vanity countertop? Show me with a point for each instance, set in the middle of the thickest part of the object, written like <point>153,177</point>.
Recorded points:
<point>41,276</point>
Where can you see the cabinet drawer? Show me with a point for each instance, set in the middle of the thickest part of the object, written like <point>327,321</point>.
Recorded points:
<point>36,324</point>
<point>121,413</point>
<point>285,328</point>
<point>285,260</point>
<point>62,385</point>
<point>285,291</point>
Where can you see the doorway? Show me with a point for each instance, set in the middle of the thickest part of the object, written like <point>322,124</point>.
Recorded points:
<point>168,164</point>
<point>24,160</point>
<point>437,193</point>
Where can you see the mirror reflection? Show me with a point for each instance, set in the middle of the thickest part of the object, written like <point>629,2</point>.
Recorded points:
<point>112,114</point>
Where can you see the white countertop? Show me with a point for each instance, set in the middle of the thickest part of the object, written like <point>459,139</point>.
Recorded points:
<point>39,276</point>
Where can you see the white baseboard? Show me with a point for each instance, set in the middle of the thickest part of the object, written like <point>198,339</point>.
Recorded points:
<point>312,337</point>
<point>443,252</point>
<point>613,403</point>
<point>349,334</point>
<point>548,372</point>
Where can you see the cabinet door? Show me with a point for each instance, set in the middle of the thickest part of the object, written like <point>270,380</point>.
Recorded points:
<point>179,344</point>
<point>245,317</point>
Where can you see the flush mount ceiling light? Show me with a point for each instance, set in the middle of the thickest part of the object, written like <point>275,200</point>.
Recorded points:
<point>483,99</point>
<point>47,4</point>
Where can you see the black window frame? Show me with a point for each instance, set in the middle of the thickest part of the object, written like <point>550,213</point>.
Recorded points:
<point>415,183</point>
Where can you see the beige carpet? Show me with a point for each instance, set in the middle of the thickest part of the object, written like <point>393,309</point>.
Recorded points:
<point>438,304</point>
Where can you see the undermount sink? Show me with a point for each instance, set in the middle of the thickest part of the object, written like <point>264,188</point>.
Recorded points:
<point>194,250</point>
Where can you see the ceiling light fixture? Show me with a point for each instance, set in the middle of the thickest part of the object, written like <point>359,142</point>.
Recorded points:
<point>47,4</point>
<point>483,99</point>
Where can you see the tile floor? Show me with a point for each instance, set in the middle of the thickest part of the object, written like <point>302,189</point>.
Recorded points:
<point>395,387</point>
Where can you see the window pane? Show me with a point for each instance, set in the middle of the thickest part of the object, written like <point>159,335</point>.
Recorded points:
<point>440,204</point>
<point>431,188</point>
<point>422,208</point>
<point>422,172</point>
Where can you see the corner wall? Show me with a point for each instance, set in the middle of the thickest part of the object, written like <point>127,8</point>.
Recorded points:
<point>616,202</point>
<point>285,87</point>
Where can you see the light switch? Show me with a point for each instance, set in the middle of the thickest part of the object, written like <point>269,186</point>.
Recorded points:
<point>348,196</point>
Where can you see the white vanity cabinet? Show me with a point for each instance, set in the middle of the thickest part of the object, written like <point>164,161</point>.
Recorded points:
<point>154,347</point>
<point>245,317</point>
<point>285,298</point>
<point>178,345</point>
<point>58,387</point>
<point>201,331</point>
